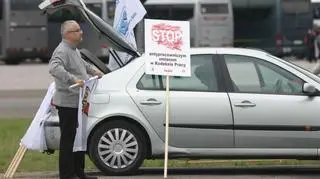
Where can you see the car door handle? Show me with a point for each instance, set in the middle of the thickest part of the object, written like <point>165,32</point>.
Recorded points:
<point>150,102</point>
<point>245,104</point>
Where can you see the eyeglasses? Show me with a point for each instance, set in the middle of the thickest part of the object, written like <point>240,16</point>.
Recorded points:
<point>77,30</point>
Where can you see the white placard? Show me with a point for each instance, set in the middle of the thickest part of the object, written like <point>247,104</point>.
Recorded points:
<point>167,47</point>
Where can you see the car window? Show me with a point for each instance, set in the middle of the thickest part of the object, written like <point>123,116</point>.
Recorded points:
<point>249,74</point>
<point>296,67</point>
<point>243,73</point>
<point>182,12</point>
<point>203,77</point>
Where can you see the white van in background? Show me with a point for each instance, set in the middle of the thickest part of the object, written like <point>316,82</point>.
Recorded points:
<point>211,22</point>
<point>316,13</point>
<point>23,31</point>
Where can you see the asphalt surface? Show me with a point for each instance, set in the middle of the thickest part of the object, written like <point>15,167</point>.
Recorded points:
<point>274,172</point>
<point>22,88</point>
<point>20,103</point>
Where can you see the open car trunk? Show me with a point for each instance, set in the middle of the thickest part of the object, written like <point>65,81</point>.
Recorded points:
<point>112,37</point>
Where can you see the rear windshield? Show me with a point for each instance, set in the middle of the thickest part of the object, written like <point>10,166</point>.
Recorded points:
<point>214,8</point>
<point>181,12</point>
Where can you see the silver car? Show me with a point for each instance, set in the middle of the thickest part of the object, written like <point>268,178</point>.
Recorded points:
<point>238,103</point>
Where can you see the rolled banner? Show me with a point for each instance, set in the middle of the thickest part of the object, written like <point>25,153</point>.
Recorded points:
<point>86,81</point>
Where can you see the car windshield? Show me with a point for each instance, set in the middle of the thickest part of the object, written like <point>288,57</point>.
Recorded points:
<point>300,69</point>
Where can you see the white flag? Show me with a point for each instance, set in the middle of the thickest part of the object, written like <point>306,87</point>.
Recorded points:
<point>80,142</point>
<point>128,14</point>
<point>34,139</point>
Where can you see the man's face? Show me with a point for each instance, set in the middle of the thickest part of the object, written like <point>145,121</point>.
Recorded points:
<point>75,33</point>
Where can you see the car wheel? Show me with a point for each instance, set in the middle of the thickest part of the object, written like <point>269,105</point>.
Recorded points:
<point>117,148</point>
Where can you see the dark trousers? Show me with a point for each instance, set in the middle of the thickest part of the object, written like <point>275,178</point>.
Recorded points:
<point>70,163</point>
<point>311,54</point>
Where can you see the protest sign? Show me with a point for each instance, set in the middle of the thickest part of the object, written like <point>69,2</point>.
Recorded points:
<point>167,52</point>
<point>167,45</point>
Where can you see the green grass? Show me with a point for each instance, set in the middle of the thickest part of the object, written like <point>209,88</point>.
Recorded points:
<point>12,130</point>
<point>11,133</point>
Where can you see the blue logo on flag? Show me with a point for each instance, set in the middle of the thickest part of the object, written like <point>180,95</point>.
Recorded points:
<point>124,23</point>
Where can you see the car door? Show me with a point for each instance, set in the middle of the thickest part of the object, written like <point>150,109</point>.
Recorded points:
<point>270,110</point>
<point>200,113</point>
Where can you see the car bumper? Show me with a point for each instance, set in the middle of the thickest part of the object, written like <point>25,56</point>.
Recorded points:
<point>52,133</point>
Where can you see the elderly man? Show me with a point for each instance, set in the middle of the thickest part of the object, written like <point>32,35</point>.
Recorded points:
<point>67,67</point>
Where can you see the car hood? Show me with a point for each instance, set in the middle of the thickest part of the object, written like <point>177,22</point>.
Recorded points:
<point>113,38</point>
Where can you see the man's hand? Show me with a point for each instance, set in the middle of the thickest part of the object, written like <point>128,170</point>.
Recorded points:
<point>79,82</point>
<point>99,74</point>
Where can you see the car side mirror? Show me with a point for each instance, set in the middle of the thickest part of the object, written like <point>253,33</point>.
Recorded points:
<point>309,89</point>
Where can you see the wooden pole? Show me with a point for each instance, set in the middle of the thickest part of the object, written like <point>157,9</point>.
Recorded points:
<point>15,162</point>
<point>166,129</point>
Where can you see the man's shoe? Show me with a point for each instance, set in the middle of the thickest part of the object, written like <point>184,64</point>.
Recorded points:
<point>88,177</point>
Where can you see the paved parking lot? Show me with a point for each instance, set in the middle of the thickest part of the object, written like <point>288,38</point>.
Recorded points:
<point>272,172</point>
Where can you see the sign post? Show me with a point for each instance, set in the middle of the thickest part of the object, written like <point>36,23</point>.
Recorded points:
<point>166,130</point>
<point>167,46</point>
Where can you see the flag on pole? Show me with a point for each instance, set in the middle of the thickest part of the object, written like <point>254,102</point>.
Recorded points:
<point>80,142</point>
<point>128,14</point>
<point>34,139</point>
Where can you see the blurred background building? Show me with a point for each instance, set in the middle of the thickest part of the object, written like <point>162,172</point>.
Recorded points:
<point>276,26</point>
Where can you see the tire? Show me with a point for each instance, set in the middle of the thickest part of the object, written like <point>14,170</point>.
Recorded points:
<point>101,141</point>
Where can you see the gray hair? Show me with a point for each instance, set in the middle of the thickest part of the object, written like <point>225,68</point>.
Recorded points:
<point>65,26</point>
